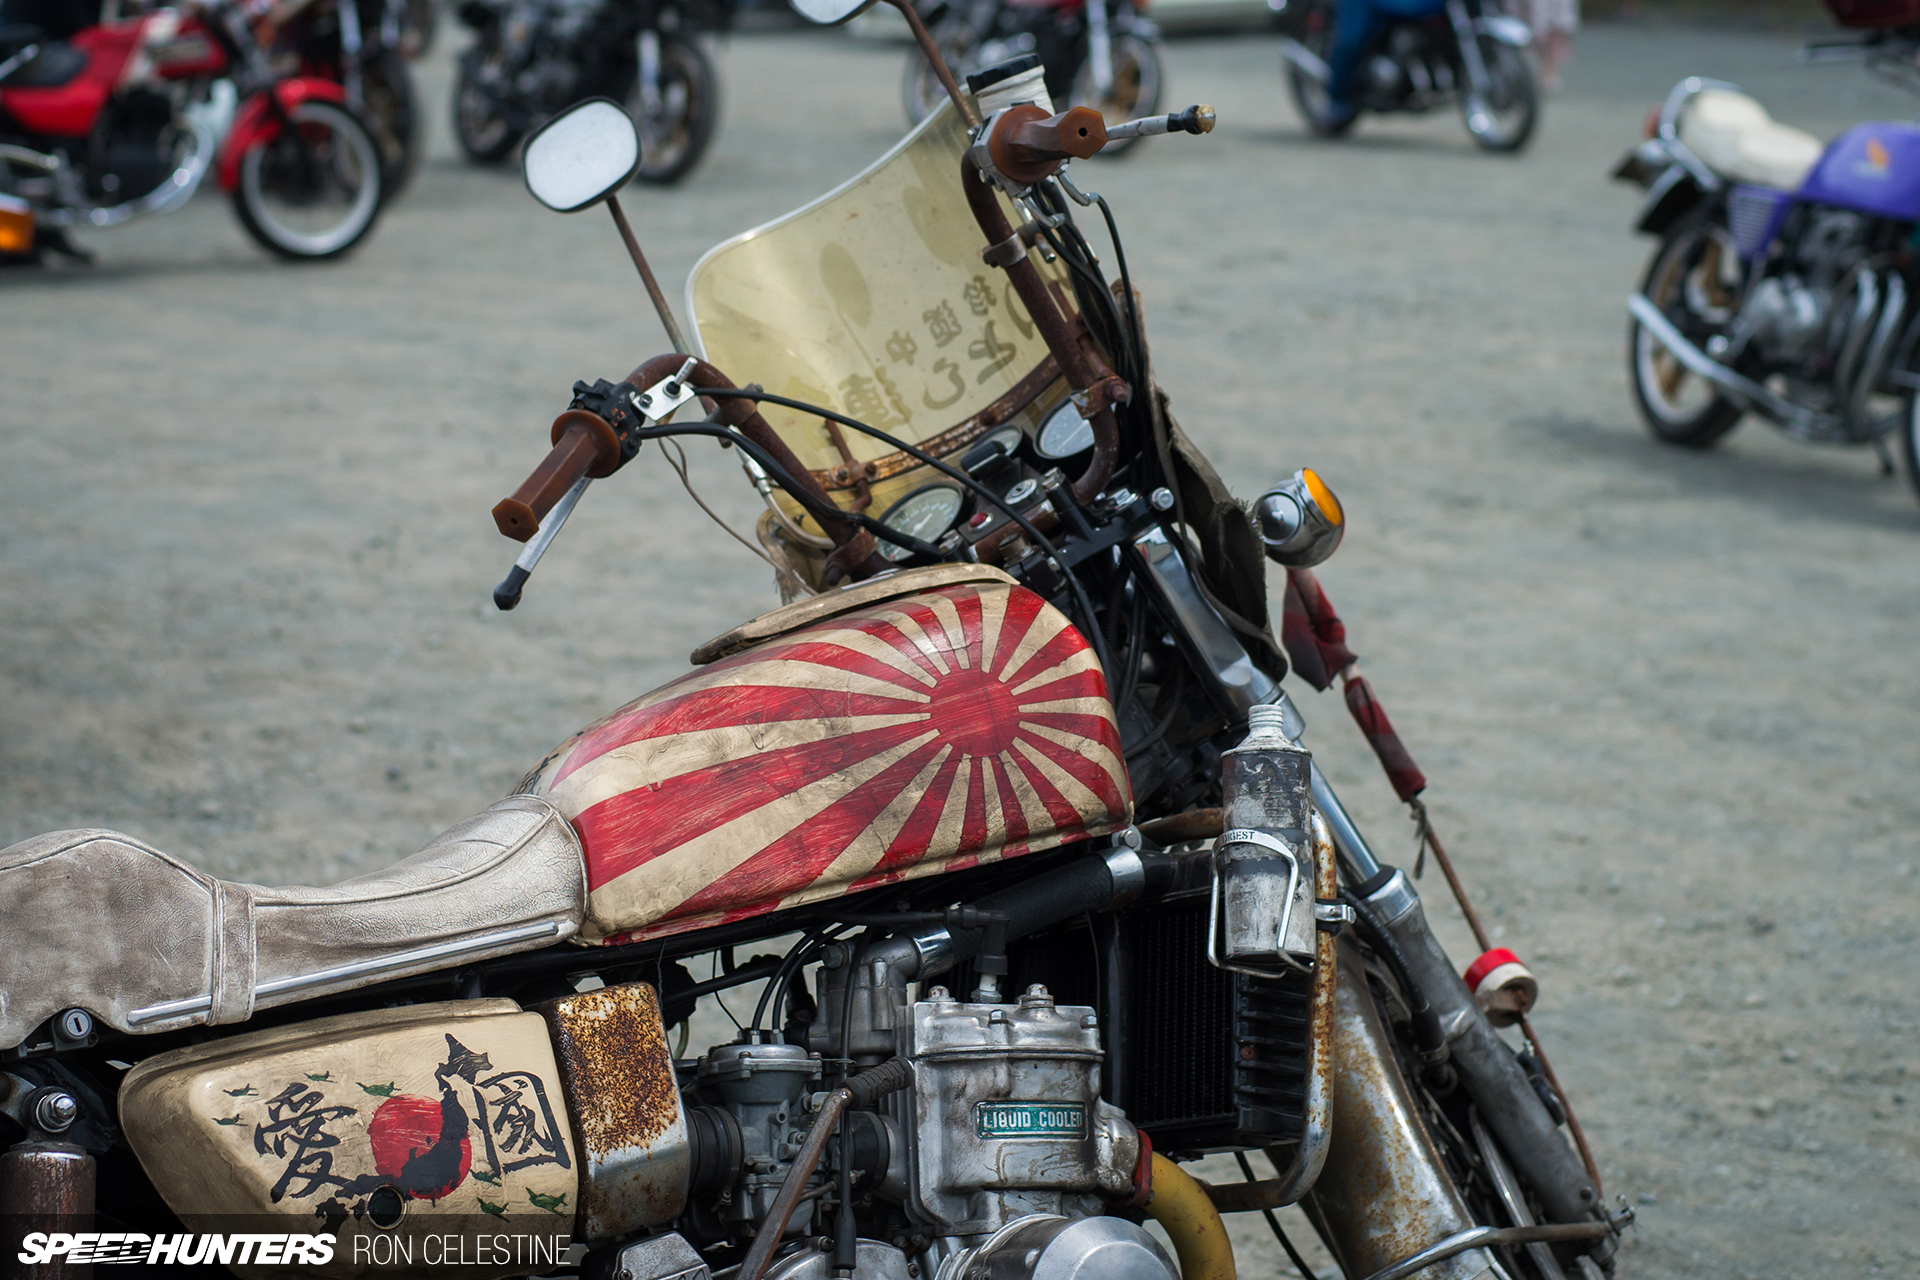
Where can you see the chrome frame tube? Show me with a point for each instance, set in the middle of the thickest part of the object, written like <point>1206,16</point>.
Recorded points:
<point>359,969</point>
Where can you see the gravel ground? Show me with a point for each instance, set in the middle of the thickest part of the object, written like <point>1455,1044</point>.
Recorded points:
<point>1667,702</point>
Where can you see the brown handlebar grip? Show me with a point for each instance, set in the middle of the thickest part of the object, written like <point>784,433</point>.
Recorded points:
<point>1027,144</point>
<point>583,445</point>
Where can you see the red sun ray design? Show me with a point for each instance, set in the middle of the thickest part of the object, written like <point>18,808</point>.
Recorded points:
<point>932,730</point>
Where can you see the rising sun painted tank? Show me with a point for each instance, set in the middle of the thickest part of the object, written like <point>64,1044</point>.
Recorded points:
<point>922,723</point>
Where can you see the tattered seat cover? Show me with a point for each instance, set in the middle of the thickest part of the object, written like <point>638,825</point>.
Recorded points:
<point>910,736</point>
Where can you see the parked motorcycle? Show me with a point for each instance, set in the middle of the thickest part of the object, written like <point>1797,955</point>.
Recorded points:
<point>1783,283</point>
<point>1105,56</point>
<point>127,117</point>
<point>534,58</point>
<point>365,46</point>
<point>1463,51</point>
<point>1006,813</point>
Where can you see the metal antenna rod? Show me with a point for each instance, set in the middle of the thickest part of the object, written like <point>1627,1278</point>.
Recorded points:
<point>646,278</point>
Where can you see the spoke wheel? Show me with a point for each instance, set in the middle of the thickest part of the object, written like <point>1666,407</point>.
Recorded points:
<point>393,114</point>
<point>314,191</point>
<point>1689,281</point>
<point>921,90</point>
<point>1135,90</point>
<point>482,131</point>
<point>676,134</point>
<point>1910,443</point>
<point>1310,97</point>
<point>1503,118</point>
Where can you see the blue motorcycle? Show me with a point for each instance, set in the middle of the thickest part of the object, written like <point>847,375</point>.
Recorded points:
<point>1785,283</point>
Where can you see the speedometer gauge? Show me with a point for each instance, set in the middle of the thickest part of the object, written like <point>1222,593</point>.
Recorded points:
<point>925,514</point>
<point>1064,434</point>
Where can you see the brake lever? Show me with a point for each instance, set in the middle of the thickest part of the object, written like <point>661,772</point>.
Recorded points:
<point>507,594</point>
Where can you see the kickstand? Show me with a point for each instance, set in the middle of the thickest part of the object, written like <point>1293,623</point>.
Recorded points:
<point>1886,455</point>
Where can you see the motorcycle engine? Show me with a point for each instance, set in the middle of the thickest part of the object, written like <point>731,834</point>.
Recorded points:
<point>1791,317</point>
<point>999,1159</point>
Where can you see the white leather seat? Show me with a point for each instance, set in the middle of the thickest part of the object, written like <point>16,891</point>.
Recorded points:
<point>1735,137</point>
<point>98,920</point>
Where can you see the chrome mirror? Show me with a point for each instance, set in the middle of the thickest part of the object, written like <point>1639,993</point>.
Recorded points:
<point>828,13</point>
<point>581,156</point>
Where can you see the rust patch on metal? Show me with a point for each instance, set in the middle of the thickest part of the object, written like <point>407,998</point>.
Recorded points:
<point>1019,396</point>
<point>616,1065</point>
<point>624,1101</point>
<point>1178,828</point>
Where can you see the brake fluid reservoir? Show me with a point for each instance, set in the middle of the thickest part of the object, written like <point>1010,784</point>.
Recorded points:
<point>1263,863</point>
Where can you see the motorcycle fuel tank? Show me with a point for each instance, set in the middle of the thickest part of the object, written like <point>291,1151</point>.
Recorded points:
<point>1873,167</point>
<point>921,723</point>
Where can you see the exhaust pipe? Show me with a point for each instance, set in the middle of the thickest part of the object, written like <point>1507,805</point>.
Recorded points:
<point>1742,389</point>
<point>47,1187</point>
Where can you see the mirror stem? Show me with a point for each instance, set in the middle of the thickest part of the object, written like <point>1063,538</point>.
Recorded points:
<point>646,278</point>
<point>931,53</point>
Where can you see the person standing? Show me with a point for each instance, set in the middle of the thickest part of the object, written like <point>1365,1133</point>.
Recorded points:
<point>1553,23</point>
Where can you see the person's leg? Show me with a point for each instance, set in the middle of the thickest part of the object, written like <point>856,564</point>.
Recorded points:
<point>1352,30</point>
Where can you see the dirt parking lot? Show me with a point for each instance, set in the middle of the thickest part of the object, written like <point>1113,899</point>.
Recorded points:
<point>1667,703</point>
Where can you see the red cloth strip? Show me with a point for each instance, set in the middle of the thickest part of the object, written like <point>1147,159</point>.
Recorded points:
<point>1405,776</point>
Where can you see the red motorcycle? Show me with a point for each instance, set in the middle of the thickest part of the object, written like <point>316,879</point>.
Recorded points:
<point>126,118</point>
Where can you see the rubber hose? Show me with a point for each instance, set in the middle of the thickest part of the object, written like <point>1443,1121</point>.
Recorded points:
<point>1060,894</point>
<point>1181,1207</point>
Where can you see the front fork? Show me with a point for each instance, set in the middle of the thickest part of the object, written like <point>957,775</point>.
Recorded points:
<point>1492,1075</point>
<point>352,41</point>
<point>1466,36</point>
<point>1100,48</point>
<point>650,73</point>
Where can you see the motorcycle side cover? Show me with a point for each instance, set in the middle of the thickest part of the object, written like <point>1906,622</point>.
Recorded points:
<point>258,124</point>
<point>902,737</point>
<point>458,1108</point>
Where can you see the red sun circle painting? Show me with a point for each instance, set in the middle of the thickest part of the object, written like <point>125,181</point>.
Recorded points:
<point>411,1147</point>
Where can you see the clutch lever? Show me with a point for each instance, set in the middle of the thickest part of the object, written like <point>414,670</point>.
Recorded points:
<point>507,594</point>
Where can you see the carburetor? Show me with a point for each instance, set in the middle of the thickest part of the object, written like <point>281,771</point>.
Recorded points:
<point>763,1087</point>
<point>1008,1119</point>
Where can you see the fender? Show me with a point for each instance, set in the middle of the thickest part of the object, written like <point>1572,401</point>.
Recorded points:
<point>258,124</point>
<point>1672,196</point>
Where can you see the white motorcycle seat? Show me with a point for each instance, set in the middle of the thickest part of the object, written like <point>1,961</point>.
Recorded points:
<point>1735,137</point>
<point>100,921</point>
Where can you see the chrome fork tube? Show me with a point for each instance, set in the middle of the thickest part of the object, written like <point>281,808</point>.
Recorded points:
<point>650,73</point>
<point>1100,47</point>
<point>1470,58</point>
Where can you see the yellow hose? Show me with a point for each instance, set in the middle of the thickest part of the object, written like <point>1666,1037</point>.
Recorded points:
<point>1182,1209</point>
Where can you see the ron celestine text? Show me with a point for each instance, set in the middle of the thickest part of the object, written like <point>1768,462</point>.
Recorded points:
<point>437,1249</point>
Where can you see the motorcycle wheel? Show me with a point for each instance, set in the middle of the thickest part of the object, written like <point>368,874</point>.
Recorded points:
<point>1910,443</point>
<point>419,24</point>
<point>394,115</point>
<point>673,139</point>
<point>1687,271</point>
<point>1135,91</point>
<point>1504,119</point>
<point>482,131</point>
<point>1310,96</point>
<point>314,191</point>
<point>921,90</point>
